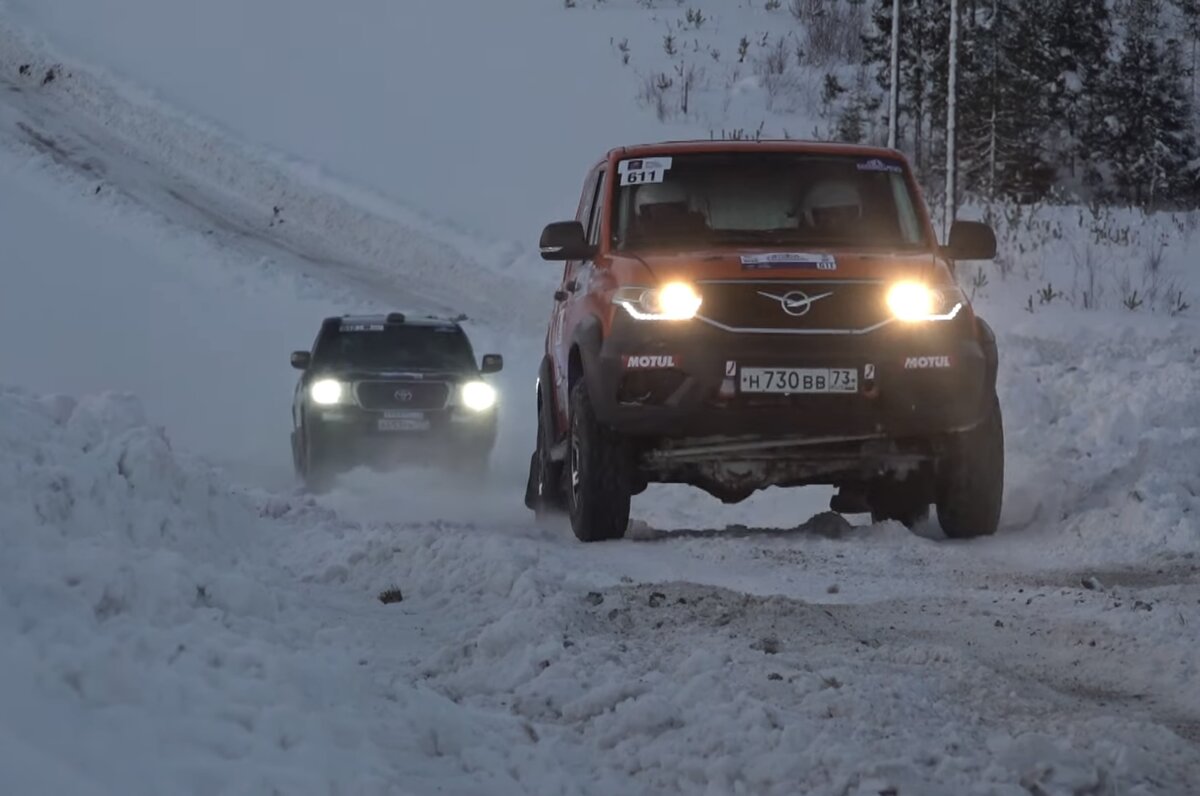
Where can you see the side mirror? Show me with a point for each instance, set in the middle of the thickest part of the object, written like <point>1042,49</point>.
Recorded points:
<point>492,363</point>
<point>301,360</point>
<point>970,240</point>
<point>565,240</point>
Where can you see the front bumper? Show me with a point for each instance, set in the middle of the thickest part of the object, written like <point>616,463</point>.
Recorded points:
<point>352,431</point>
<point>914,381</point>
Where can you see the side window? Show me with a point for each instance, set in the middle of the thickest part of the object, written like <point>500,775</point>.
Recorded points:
<point>593,223</point>
<point>586,199</point>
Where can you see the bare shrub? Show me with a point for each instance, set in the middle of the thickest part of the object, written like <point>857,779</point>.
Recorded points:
<point>653,94</point>
<point>833,30</point>
<point>784,86</point>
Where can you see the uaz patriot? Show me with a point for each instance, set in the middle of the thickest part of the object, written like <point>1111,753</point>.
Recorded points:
<point>740,315</point>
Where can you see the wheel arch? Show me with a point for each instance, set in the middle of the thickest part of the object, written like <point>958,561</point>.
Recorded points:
<point>584,359</point>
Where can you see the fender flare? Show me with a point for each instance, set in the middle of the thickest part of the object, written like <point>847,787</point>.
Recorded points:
<point>991,354</point>
<point>545,397</point>
<point>589,339</point>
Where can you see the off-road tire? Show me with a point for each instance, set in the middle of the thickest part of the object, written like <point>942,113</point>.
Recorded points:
<point>598,474</point>
<point>544,488</point>
<point>970,479</point>
<point>316,465</point>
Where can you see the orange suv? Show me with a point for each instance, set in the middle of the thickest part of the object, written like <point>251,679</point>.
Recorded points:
<point>740,315</point>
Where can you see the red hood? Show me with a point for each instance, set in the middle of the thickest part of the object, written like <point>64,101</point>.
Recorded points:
<point>791,264</point>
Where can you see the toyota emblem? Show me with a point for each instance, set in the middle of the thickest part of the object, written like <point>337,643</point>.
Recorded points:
<point>403,396</point>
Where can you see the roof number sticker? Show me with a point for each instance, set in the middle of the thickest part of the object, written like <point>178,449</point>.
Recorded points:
<point>766,262</point>
<point>643,170</point>
<point>875,164</point>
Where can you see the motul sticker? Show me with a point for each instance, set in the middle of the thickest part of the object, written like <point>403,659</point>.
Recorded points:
<point>928,363</point>
<point>649,361</point>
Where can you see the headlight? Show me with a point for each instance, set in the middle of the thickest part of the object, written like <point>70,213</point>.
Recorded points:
<point>478,396</point>
<point>674,301</point>
<point>913,301</point>
<point>326,391</point>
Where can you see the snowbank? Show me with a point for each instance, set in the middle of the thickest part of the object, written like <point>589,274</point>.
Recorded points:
<point>152,642</point>
<point>1102,428</point>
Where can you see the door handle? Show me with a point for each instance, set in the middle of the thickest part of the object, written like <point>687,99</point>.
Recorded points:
<point>560,295</point>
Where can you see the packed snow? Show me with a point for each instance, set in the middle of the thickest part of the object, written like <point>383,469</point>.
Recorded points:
<point>177,616</point>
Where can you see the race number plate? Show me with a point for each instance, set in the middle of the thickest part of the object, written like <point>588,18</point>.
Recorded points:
<point>798,381</point>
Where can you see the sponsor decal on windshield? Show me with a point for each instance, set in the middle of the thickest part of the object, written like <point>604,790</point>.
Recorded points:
<point>643,170</point>
<point>361,327</point>
<point>875,164</point>
<point>765,262</point>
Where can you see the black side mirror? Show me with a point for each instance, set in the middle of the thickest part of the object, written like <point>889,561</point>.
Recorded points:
<point>492,363</point>
<point>301,360</point>
<point>970,240</point>
<point>565,240</point>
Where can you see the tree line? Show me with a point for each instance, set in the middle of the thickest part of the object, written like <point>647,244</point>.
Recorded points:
<point>1059,100</point>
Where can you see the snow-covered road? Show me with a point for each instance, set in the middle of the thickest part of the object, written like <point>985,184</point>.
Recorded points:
<point>171,627</point>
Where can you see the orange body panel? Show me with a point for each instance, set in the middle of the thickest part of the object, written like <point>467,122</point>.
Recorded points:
<point>609,270</point>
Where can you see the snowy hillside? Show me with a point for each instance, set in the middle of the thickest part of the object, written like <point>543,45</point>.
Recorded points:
<point>177,617</point>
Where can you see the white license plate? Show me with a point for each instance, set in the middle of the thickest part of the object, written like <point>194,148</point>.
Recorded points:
<point>418,423</point>
<point>788,381</point>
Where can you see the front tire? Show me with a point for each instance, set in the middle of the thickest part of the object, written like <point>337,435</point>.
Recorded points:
<point>544,488</point>
<point>970,482</point>
<point>316,466</point>
<point>598,474</point>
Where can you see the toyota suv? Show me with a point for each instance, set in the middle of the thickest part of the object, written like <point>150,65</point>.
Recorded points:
<point>384,389</point>
<point>741,315</point>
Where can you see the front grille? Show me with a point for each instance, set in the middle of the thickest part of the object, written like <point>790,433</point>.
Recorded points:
<point>815,306</point>
<point>384,395</point>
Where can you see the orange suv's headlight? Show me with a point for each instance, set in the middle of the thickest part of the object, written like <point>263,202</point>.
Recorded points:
<point>916,301</point>
<point>674,301</point>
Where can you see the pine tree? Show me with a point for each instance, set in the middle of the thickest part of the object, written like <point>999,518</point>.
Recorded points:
<point>978,101</point>
<point>918,67</point>
<point>1151,146</point>
<point>1078,42</point>
<point>1024,121</point>
<point>1189,10</point>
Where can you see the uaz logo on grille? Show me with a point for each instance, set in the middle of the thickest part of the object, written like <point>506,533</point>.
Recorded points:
<point>795,303</point>
<point>403,396</point>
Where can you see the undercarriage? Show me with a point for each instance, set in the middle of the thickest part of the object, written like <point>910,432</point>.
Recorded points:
<point>732,469</point>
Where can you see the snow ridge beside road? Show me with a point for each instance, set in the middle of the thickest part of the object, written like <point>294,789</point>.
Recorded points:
<point>336,231</point>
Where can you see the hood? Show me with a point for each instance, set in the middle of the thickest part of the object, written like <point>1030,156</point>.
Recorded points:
<point>347,373</point>
<point>787,263</point>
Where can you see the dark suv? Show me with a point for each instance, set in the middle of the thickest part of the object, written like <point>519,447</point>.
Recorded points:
<point>382,389</point>
<point>740,315</point>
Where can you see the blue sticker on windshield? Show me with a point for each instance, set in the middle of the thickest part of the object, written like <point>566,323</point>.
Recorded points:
<point>765,262</point>
<point>876,164</point>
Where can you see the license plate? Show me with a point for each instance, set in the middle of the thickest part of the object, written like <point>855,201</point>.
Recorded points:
<point>788,381</point>
<point>412,422</point>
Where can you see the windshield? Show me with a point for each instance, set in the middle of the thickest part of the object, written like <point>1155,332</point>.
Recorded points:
<point>395,347</point>
<point>764,199</point>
